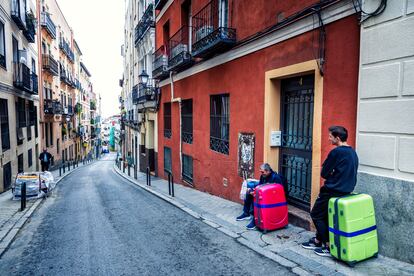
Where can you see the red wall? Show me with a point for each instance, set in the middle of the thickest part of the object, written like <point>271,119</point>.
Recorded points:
<point>243,79</point>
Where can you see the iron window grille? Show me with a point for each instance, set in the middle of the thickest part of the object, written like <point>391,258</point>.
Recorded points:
<point>220,123</point>
<point>4,125</point>
<point>187,173</point>
<point>21,112</point>
<point>20,164</point>
<point>167,120</point>
<point>167,160</point>
<point>187,121</point>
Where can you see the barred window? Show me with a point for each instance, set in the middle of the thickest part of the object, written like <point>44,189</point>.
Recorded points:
<point>4,125</point>
<point>219,123</point>
<point>187,121</point>
<point>167,120</point>
<point>21,112</point>
<point>167,160</point>
<point>187,168</point>
<point>29,158</point>
<point>20,164</point>
<point>2,46</point>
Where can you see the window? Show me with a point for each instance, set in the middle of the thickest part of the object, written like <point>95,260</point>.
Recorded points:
<point>2,46</point>
<point>187,121</point>
<point>21,112</point>
<point>51,133</point>
<point>167,120</point>
<point>7,176</point>
<point>35,122</point>
<point>58,145</point>
<point>167,160</point>
<point>15,44</point>
<point>4,125</point>
<point>46,128</point>
<point>187,168</point>
<point>29,158</point>
<point>219,123</point>
<point>20,166</point>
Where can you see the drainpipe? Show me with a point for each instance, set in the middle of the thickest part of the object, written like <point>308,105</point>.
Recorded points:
<point>177,100</point>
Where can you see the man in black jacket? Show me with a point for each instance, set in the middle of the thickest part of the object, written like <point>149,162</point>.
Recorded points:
<point>45,160</point>
<point>267,176</point>
<point>340,173</point>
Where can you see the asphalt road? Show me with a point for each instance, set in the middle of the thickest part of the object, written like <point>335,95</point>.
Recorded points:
<point>96,223</point>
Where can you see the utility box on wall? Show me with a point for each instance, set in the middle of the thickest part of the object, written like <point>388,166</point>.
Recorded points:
<point>275,138</point>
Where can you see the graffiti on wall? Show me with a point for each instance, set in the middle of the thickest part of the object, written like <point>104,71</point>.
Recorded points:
<point>246,155</point>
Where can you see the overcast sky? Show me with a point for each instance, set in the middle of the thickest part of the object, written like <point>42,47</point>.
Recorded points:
<point>98,28</point>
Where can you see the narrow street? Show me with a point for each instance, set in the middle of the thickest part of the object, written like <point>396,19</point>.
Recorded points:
<point>96,223</point>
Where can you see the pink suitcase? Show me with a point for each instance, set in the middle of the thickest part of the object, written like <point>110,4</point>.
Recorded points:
<point>270,207</point>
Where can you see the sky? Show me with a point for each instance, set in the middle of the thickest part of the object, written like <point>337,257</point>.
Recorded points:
<point>98,28</point>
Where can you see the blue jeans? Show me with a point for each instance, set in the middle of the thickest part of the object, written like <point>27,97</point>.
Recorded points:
<point>248,204</point>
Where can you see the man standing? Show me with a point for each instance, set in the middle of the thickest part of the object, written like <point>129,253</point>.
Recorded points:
<point>45,159</point>
<point>267,176</point>
<point>340,173</point>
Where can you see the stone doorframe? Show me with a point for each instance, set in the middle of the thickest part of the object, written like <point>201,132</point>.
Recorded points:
<point>272,115</point>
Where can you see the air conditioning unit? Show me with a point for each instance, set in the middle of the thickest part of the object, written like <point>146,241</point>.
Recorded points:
<point>23,56</point>
<point>20,134</point>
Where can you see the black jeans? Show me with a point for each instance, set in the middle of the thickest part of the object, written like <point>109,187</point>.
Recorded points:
<point>45,166</point>
<point>319,213</point>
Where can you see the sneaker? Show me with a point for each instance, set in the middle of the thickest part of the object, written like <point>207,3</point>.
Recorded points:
<point>251,225</point>
<point>312,244</point>
<point>323,251</point>
<point>243,217</point>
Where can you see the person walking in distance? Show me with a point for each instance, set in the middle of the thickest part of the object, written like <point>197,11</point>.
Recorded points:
<point>45,158</point>
<point>340,173</point>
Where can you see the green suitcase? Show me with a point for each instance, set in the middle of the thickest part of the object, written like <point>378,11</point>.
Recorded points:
<point>352,228</point>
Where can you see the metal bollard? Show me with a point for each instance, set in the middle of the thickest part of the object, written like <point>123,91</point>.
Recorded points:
<point>169,183</point>
<point>60,171</point>
<point>148,184</point>
<point>63,167</point>
<point>68,166</point>
<point>73,163</point>
<point>23,196</point>
<point>135,172</point>
<point>172,185</point>
<point>129,169</point>
<point>123,167</point>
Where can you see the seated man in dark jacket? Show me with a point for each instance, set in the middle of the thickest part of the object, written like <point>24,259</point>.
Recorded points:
<point>267,176</point>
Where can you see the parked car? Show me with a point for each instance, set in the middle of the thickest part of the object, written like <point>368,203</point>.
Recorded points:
<point>38,184</point>
<point>105,149</point>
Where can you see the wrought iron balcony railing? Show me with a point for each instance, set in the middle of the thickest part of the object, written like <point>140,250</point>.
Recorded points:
<point>160,64</point>
<point>47,23</point>
<point>50,65</point>
<point>52,107</point>
<point>22,77</point>
<point>211,33</point>
<point>18,13</point>
<point>65,47</point>
<point>179,56</point>
<point>62,73</point>
<point>35,85</point>
<point>30,31</point>
<point>159,4</point>
<point>148,93</point>
<point>145,23</point>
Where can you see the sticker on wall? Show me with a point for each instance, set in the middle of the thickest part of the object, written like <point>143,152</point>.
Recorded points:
<point>246,155</point>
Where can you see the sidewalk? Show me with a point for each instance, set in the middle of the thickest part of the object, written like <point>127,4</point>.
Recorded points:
<point>282,246</point>
<point>12,219</point>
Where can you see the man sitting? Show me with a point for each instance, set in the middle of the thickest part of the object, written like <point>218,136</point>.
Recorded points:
<point>267,176</point>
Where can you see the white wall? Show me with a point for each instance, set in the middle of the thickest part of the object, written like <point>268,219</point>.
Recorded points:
<point>385,141</point>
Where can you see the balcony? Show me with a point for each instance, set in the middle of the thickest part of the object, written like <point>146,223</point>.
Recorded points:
<point>211,34</point>
<point>135,94</point>
<point>92,105</point>
<point>148,95</point>
<point>146,22</point>
<point>70,110</point>
<point>52,107</point>
<point>50,65</point>
<point>30,31</point>
<point>65,47</point>
<point>159,4</point>
<point>22,77</point>
<point>160,64</point>
<point>179,56</point>
<point>2,61</point>
<point>47,23</point>
<point>18,13</point>
<point>35,87</point>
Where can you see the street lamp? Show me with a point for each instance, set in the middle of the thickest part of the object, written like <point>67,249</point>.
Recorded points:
<point>143,78</point>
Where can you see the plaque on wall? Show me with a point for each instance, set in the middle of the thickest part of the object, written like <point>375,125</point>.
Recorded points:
<point>246,155</point>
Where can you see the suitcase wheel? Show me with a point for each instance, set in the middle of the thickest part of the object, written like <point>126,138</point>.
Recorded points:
<point>352,264</point>
<point>264,231</point>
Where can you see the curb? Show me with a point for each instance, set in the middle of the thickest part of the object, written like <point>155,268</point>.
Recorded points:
<point>12,233</point>
<point>295,268</point>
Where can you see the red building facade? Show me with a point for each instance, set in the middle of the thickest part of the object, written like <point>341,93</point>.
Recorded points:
<point>247,70</point>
